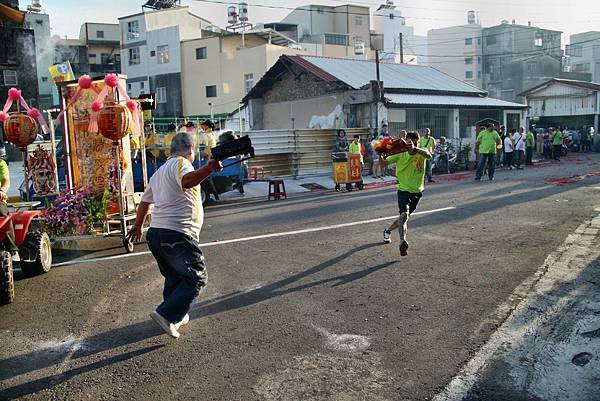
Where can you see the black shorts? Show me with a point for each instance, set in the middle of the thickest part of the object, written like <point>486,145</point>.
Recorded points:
<point>407,201</point>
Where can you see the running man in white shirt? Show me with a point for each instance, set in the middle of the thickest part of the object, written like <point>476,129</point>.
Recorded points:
<point>174,231</point>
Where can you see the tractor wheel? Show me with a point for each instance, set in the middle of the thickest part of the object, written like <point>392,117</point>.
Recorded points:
<point>7,285</point>
<point>37,246</point>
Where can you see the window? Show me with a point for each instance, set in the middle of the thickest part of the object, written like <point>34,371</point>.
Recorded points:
<point>105,58</point>
<point>92,58</point>
<point>585,67</point>
<point>141,85</point>
<point>211,91</point>
<point>478,41</point>
<point>469,60</point>
<point>10,78</point>
<point>161,95</point>
<point>100,34</point>
<point>44,79</point>
<point>479,60</point>
<point>248,82</point>
<point>490,40</point>
<point>468,41</point>
<point>162,52</point>
<point>335,39</point>
<point>133,30</point>
<point>358,20</point>
<point>538,40</point>
<point>469,75</point>
<point>596,51</point>
<point>118,59</point>
<point>201,53</point>
<point>391,15</point>
<point>134,56</point>
<point>532,67</point>
<point>128,87</point>
<point>152,53</point>
<point>574,50</point>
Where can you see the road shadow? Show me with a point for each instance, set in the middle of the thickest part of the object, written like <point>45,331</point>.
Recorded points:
<point>131,334</point>
<point>44,383</point>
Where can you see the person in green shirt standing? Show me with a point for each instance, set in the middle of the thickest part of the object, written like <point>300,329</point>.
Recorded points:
<point>410,175</point>
<point>529,146</point>
<point>428,142</point>
<point>557,141</point>
<point>10,234</point>
<point>487,144</point>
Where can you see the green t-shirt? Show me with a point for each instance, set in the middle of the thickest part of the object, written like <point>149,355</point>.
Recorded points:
<point>354,147</point>
<point>427,143</point>
<point>4,173</point>
<point>410,171</point>
<point>530,140</point>
<point>557,138</point>
<point>487,141</point>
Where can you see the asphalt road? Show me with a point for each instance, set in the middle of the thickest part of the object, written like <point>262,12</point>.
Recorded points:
<point>312,313</point>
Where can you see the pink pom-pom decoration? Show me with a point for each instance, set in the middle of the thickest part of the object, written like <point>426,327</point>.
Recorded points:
<point>14,94</point>
<point>112,80</point>
<point>85,82</point>
<point>34,113</point>
<point>3,116</point>
<point>96,106</point>
<point>131,105</point>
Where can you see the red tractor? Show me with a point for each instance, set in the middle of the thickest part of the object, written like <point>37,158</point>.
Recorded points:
<point>34,245</point>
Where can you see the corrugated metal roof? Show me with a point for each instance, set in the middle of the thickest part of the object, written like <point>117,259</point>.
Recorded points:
<point>454,101</point>
<point>358,73</point>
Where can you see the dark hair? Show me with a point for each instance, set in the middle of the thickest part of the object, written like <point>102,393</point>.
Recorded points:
<point>208,123</point>
<point>225,137</point>
<point>181,117</point>
<point>190,124</point>
<point>412,135</point>
<point>384,126</point>
<point>181,142</point>
<point>356,137</point>
<point>490,125</point>
<point>171,127</point>
<point>340,132</point>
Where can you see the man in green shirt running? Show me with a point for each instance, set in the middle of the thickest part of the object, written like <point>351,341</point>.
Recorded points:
<point>529,146</point>
<point>487,143</point>
<point>410,175</point>
<point>557,141</point>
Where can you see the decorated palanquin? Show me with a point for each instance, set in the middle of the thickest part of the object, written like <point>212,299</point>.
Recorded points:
<point>92,157</point>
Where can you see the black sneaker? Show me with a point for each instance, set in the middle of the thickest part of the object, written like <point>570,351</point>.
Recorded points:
<point>387,236</point>
<point>403,248</point>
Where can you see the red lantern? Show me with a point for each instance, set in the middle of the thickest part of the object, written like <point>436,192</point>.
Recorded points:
<point>114,121</point>
<point>20,130</point>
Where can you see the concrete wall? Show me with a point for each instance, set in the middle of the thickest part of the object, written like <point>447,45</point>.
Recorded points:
<point>447,52</point>
<point>17,53</point>
<point>562,100</point>
<point>587,58</point>
<point>226,65</point>
<point>44,51</point>
<point>173,106</point>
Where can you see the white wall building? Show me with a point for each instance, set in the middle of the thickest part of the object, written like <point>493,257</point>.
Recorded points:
<point>44,55</point>
<point>387,20</point>
<point>457,51</point>
<point>584,53</point>
<point>151,53</point>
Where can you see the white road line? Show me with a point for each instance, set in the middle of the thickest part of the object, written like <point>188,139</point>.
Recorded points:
<point>255,237</point>
<point>533,329</point>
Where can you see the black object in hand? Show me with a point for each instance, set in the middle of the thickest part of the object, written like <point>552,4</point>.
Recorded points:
<point>235,147</point>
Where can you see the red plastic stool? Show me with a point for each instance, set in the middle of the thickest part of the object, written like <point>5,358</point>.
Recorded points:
<point>277,189</point>
<point>255,172</point>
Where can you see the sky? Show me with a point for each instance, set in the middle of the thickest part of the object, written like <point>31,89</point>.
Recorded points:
<point>574,16</point>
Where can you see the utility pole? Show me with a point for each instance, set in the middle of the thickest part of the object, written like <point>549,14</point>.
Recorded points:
<point>401,49</point>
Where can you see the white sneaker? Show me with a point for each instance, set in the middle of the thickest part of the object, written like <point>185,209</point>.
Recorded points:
<point>15,257</point>
<point>167,326</point>
<point>185,320</point>
<point>387,236</point>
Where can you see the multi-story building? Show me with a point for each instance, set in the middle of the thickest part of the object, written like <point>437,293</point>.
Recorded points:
<point>584,53</point>
<point>151,53</point>
<point>95,53</point>
<point>457,51</point>
<point>18,66</point>
<point>399,40</point>
<point>517,57</point>
<point>39,22</point>
<point>341,31</point>
<point>218,71</point>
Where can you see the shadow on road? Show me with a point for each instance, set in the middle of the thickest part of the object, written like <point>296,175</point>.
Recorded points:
<point>47,357</point>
